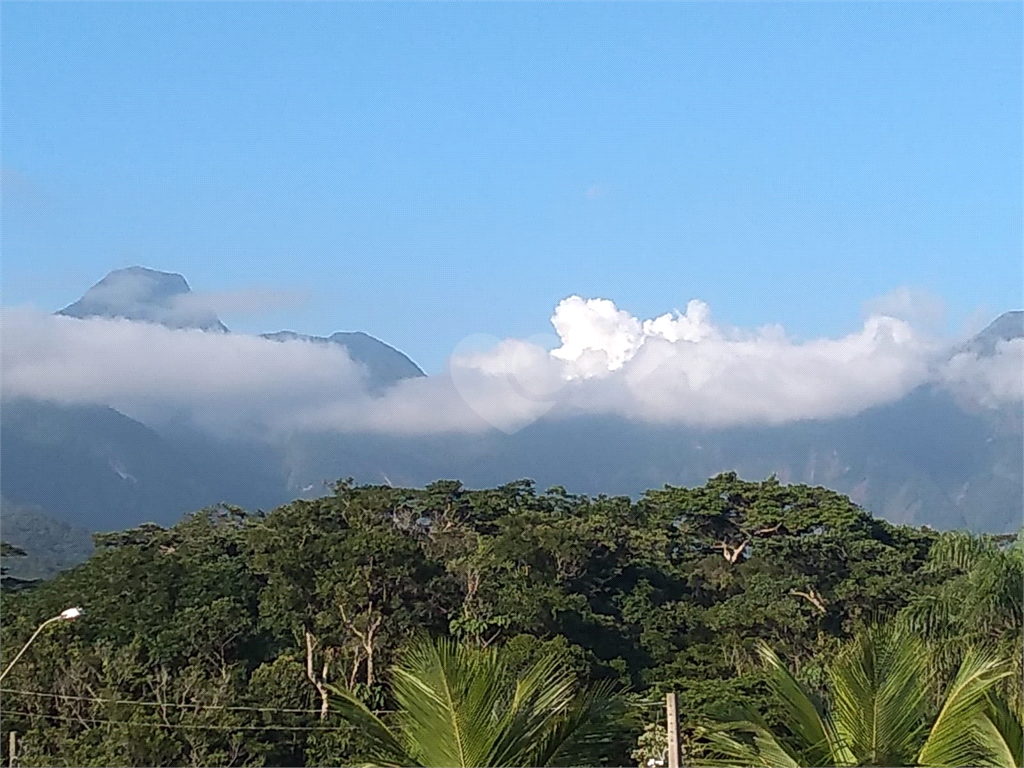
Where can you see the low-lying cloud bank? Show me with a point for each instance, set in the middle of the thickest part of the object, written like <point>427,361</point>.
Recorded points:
<point>677,368</point>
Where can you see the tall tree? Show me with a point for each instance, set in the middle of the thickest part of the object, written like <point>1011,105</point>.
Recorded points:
<point>344,580</point>
<point>977,599</point>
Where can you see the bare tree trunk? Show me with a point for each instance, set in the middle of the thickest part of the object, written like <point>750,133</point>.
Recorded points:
<point>366,637</point>
<point>368,646</point>
<point>311,674</point>
<point>357,662</point>
<point>732,554</point>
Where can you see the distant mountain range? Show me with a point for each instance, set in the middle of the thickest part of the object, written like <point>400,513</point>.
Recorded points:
<point>929,458</point>
<point>147,295</point>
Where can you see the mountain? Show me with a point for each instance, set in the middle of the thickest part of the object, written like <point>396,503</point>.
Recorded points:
<point>95,468</point>
<point>921,460</point>
<point>138,293</point>
<point>934,457</point>
<point>1006,327</point>
<point>50,545</point>
<point>385,365</point>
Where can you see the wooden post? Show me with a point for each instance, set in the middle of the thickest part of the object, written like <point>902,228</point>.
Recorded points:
<point>673,730</point>
<point>12,746</point>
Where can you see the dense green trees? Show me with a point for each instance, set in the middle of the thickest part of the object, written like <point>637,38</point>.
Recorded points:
<point>219,641</point>
<point>974,598</point>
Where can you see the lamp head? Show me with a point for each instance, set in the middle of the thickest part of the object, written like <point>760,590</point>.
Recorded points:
<point>70,613</point>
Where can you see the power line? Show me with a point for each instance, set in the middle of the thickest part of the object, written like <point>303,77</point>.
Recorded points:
<point>69,697</point>
<point>98,721</point>
<point>133,702</point>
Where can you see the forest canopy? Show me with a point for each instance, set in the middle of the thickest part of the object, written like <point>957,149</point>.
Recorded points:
<point>228,638</point>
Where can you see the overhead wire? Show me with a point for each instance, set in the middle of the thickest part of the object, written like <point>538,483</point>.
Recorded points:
<point>99,721</point>
<point>163,705</point>
<point>69,697</point>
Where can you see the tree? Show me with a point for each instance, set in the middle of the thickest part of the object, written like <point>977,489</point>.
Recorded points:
<point>877,712</point>
<point>462,705</point>
<point>344,580</point>
<point>977,600</point>
<point>169,620</point>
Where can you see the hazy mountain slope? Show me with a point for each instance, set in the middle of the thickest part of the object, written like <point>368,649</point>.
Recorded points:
<point>96,468</point>
<point>51,545</point>
<point>1009,325</point>
<point>921,460</point>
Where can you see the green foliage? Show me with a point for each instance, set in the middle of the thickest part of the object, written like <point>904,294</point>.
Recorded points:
<point>876,712</point>
<point>460,705</point>
<point>232,629</point>
<point>974,597</point>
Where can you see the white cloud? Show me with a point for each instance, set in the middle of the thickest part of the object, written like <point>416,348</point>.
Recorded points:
<point>991,380</point>
<point>145,369</point>
<point>597,336</point>
<point>914,305</point>
<point>676,368</point>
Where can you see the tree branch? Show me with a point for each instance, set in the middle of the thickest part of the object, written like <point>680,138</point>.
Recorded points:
<point>814,597</point>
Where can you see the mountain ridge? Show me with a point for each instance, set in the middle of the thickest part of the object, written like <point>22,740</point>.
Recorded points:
<point>150,295</point>
<point>930,457</point>
<point>385,364</point>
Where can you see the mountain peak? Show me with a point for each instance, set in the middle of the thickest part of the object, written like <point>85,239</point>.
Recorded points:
<point>385,365</point>
<point>1006,327</point>
<point>140,293</point>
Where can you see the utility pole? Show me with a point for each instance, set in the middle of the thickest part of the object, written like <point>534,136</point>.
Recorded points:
<point>673,730</point>
<point>12,746</point>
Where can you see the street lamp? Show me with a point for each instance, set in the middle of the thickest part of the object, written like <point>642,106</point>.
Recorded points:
<point>66,615</point>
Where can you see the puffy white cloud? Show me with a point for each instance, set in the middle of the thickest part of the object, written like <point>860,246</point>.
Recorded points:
<point>676,368</point>
<point>596,335</point>
<point>145,369</point>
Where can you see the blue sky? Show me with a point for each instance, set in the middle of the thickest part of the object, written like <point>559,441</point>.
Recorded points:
<point>426,172</point>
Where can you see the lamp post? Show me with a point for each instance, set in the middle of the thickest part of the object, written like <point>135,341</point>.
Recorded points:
<point>69,614</point>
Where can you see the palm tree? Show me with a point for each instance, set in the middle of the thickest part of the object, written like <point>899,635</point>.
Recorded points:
<point>877,713</point>
<point>466,706</point>
<point>979,603</point>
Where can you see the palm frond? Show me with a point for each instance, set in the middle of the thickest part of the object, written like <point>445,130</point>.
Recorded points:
<point>877,697</point>
<point>463,706</point>
<point>959,551</point>
<point>747,744</point>
<point>1001,731</point>
<point>381,744</point>
<point>952,741</point>
<point>583,733</point>
<point>448,694</point>
<point>541,696</point>
<point>820,742</point>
